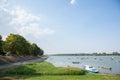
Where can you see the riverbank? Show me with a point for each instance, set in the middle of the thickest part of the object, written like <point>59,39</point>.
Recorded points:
<point>63,77</point>
<point>47,71</point>
<point>14,59</point>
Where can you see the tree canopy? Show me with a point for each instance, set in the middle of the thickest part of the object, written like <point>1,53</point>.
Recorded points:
<point>1,43</point>
<point>18,45</point>
<point>35,50</point>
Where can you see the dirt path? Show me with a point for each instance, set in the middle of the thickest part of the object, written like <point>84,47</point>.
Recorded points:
<point>20,63</point>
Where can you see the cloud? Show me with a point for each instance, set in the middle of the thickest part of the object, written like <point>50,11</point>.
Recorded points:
<point>22,21</point>
<point>34,30</point>
<point>22,17</point>
<point>2,2</point>
<point>72,2</point>
<point>3,5</point>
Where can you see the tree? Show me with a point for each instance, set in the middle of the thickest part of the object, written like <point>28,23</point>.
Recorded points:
<point>95,53</point>
<point>0,43</point>
<point>1,50</point>
<point>1,46</point>
<point>35,50</point>
<point>115,53</point>
<point>104,53</point>
<point>16,45</point>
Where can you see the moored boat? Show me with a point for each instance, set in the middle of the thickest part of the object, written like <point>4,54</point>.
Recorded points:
<point>75,62</point>
<point>106,68</point>
<point>90,69</point>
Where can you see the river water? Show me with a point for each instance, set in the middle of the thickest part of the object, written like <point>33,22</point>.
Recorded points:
<point>105,64</point>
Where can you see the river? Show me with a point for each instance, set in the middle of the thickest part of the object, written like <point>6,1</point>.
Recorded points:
<point>105,64</point>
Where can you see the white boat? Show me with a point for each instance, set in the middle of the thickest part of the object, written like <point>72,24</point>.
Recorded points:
<point>90,69</point>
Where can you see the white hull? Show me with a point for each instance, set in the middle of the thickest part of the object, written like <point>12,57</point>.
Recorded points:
<point>90,69</point>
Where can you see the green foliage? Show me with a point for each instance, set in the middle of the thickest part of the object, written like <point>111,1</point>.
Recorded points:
<point>63,77</point>
<point>34,71</point>
<point>18,45</point>
<point>115,53</point>
<point>35,50</point>
<point>21,70</point>
<point>45,68</point>
<point>1,43</point>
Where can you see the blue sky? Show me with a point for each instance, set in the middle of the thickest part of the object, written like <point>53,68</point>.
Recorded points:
<point>64,26</point>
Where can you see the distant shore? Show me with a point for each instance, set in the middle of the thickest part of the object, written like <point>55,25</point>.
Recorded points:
<point>83,54</point>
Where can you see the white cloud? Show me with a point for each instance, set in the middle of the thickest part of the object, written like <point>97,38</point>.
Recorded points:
<point>3,5</point>
<point>22,21</point>
<point>28,24</point>
<point>22,17</point>
<point>2,2</point>
<point>72,2</point>
<point>34,30</point>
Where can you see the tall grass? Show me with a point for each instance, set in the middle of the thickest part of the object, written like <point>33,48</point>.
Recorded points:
<point>45,68</point>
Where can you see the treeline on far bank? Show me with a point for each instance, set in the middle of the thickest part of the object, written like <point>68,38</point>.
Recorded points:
<point>87,54</point>
<point>16,44</point>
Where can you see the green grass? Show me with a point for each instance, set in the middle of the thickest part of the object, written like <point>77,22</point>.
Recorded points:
<point>75,77</point>
<point>88,76</point>
<point>45,68</point>
<point>47,71</point>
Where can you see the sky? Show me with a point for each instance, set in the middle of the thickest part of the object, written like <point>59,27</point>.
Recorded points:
<point>64,26</point>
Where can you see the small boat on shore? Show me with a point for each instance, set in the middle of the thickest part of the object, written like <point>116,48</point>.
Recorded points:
<point>90,69</point>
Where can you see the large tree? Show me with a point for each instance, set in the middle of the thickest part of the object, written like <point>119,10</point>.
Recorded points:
<point>1,50</point>
<point>35,50</point>
<point>16,44</point>
<point>1,46</point>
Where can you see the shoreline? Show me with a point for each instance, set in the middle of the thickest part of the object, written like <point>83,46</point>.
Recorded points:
<point>50,72</point>
<point>11,61</point>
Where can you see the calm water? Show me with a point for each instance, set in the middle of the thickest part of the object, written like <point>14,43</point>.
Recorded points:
<point>102,63</point>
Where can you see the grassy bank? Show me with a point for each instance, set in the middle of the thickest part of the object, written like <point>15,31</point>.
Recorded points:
<point>88,76</point>
<point>45,68</point>
<point>47,71</point>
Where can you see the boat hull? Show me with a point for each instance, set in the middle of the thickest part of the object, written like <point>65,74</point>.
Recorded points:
<point>91,69</point>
